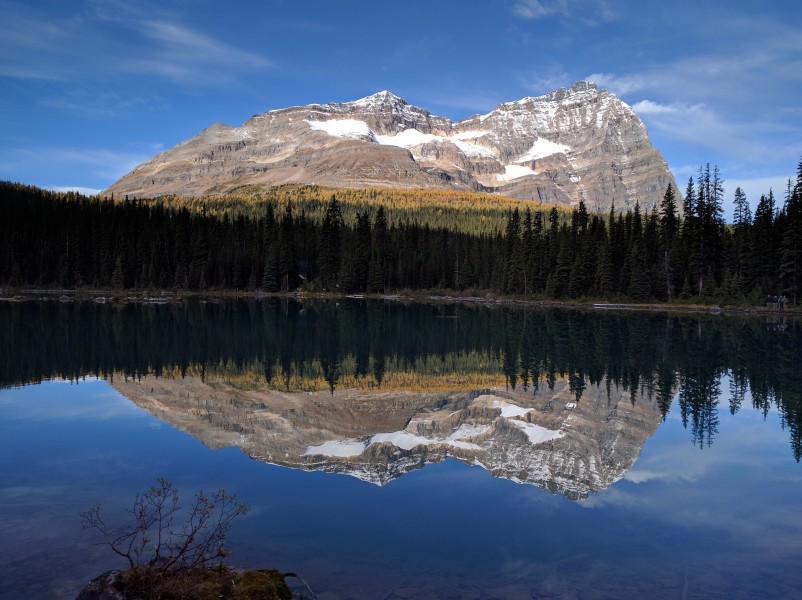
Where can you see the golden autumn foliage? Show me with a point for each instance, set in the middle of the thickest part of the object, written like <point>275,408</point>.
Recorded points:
<point>450,372</point>
<point>467,212</point>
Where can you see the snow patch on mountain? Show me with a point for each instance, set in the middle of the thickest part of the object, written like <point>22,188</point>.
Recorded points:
<point>472,150</point>
<point>508,410</point>
<point>338,448</point>
<point>536,433</point>
<point>514,172</point>
<point>408,138</point>
<point>344,128</point>
<point>408,441</point>
<point>467,430</point>
<point>543,148</point>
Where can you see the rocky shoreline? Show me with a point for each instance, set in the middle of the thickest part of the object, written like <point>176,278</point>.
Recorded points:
<point>133,296</point>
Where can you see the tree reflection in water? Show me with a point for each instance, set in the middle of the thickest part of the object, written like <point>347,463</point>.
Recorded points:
<point>376,344</point>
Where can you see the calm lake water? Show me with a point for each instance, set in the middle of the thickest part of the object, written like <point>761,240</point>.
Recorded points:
<point>413,451</point>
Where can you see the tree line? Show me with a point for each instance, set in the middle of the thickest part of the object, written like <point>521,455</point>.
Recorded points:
<point>680,250</point>
<point>469,212</point>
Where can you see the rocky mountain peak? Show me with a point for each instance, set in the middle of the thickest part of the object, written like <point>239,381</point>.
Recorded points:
<point>557,95</point>
<point>381,98</point>
<point>572,144</point>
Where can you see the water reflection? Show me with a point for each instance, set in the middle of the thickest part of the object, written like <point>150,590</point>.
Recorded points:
<point>546,438</point>
<point>439,357</point>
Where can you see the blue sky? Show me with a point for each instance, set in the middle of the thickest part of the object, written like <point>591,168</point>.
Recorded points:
<point>90,88</point>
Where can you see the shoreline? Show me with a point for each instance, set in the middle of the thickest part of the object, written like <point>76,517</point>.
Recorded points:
<point>148,296</point>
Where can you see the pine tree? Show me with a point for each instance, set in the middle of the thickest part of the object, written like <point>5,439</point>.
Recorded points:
<point>639,276</point>
<point>287,261</point>
<point>331,244</point>
<point>604,272</point>
<point>513,259</point>
<point>763,245</point>
<point>379,254</point>
<point>791,262</point>
<point>118,275</point>
<point>271,272</point>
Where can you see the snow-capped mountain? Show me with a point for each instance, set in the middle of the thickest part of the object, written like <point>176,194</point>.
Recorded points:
<point>546,438</point>
<point>570,144</point>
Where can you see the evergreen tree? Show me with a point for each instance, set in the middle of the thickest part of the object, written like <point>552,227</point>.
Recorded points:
<point>118,275</point>
<point>514,262</point>
<point>378,254</point>
<point>331,244</point>
<point>791,263</point>
<point>286,251</point>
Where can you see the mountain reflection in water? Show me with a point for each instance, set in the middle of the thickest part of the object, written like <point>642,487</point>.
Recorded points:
<point>350,386</point>
<point>545,438</point>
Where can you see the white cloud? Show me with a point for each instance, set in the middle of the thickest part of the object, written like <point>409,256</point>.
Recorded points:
<point>588,12</point>
<point>621,85</point>
<point>76,188</point>
<point>647,107</point>
<point>698,124</point>
<point>536,9</point>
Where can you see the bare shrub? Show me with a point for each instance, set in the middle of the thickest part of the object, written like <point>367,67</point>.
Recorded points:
<point>164,537</point>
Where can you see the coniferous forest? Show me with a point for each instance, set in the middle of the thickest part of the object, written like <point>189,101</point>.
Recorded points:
<point>680,251</point>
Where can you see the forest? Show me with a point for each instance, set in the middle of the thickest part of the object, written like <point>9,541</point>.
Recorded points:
<point>681,251</point>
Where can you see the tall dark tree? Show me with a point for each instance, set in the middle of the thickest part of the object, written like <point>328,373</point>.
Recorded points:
<point>791,260</point>
<point>287,267</point>
<point>669,234</point>
<point>330,252</point>
<point>377,269</point>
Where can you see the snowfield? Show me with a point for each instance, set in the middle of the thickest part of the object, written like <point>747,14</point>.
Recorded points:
<point>409,138</point>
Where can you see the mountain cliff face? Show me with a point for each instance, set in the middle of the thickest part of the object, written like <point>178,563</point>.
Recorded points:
<point>571,144</point>
<point>547,439</point>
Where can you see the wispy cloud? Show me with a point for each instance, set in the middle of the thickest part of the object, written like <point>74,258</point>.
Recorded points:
<point>588,12</point>
<point>622,85</point>
<point>117,40</point>
<point>550,79</point>
<point>702,126</point>
<point>647,107</point>
<point>95,102</point>
<point>186,55</point>
<point>538,9</point>
<point>30,42</point>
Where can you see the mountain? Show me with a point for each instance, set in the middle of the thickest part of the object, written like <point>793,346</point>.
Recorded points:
<point>547,439</point>
<point>571,144</point>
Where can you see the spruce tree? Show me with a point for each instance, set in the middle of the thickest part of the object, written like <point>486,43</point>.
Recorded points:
<point>331,244</point>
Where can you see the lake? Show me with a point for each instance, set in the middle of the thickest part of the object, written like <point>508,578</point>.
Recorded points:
<point>392,450</point>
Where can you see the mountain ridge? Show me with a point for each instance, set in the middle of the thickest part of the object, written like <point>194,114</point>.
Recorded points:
<point>572,144</point>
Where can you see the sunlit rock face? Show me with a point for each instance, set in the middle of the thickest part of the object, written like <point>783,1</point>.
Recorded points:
<point>572,144</point>
<point>545,438</point>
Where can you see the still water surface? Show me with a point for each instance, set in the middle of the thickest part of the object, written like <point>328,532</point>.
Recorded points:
<point>414,451</point>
